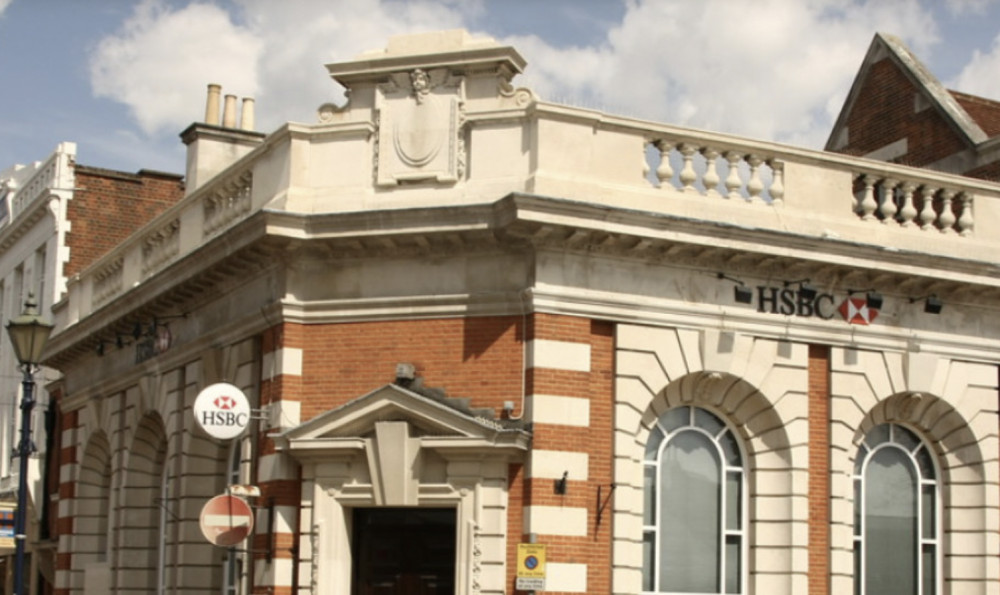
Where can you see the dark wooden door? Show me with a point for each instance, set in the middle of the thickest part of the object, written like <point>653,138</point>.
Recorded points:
<point>404,551</point>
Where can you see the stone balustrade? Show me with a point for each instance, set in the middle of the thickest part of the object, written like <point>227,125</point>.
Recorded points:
<point>50,175</point>
<point>893,195</point>
<point>716,172</point>
<point>919,204</point>
<point>907,198</point>
<point>580,155</point>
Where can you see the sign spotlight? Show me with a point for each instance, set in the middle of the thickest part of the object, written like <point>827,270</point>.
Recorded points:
<point>741,293</point>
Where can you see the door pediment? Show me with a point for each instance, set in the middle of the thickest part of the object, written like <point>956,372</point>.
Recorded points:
<point>396,444</point>
<point>439,423</point>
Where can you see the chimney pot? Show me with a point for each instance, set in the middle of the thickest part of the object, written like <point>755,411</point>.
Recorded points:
<point>212,105</point>
<point>247,115</point>
<point>229,112</point>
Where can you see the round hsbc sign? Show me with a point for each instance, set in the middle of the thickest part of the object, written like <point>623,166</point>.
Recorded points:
<point>222,410</point>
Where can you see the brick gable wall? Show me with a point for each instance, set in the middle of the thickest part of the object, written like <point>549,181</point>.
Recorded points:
<point>885,113</point>
<point>108,206</point>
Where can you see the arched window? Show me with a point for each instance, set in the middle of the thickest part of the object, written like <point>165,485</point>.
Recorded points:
<point>694,510</point>
<point>896,548</point>
<point>141,534</point>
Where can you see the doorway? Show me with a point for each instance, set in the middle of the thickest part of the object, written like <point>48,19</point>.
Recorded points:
<point>404,551</point>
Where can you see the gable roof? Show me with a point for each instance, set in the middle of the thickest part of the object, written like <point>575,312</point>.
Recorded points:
<point>944,101</point>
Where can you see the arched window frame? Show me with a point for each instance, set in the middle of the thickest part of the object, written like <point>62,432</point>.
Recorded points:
<point>730,453</point>
<point>925,464</point>
<point>161,544</point>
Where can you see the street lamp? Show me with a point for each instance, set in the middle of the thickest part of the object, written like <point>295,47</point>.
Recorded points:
<point>28,334</point>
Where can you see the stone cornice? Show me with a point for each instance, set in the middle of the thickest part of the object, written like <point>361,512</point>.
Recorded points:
<point>524,227</point>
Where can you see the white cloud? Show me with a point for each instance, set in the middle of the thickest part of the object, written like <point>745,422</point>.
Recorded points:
<point>298,39</point>
<point>773,69</point>
<point>3,5</point>
<point>961,7</point>
<point>979,77</point>
<point>161,60</point>
<point>765,69</point>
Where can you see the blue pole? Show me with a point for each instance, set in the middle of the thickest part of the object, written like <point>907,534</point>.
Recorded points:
<point>23,452</point>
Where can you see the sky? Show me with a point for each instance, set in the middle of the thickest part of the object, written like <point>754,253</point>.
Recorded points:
<point>123,78</point>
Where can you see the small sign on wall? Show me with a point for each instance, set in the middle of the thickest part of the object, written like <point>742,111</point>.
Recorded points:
<point>530,567</point>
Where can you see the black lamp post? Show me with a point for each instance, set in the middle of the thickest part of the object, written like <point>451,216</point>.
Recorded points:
<point>28,334</point>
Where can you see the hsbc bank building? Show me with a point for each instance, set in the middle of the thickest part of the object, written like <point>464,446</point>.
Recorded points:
<point>468,319</point>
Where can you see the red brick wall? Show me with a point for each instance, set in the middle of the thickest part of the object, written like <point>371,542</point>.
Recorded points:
<point>108,206</point>
<point>66,456</point>
<point>990,171</point>
<point>884,113</point>
<point>594,549</point>
<point>819,470</point>
<point>481,359</point>
<point>478,358</point>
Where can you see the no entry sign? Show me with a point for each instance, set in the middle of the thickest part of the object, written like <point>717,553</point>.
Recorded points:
<point>226,520</point>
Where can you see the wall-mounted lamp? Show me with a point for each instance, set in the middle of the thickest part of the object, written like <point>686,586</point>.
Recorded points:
<point>873,299</point>
<point>806,290</point>
<point>741,293</point>
<point>100,347</point>
<point>560,484</point>
<point>932,303</point>
<point>140,330</point>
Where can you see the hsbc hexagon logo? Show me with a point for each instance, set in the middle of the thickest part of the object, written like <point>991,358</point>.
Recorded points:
<point>856,311</point>
<point>222,411</point>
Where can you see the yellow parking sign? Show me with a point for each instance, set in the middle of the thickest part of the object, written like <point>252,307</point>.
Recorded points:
<point>530,567</point>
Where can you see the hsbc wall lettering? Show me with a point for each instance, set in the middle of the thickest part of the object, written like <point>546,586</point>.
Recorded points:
<point>791,302</point>
<point>788,301</point>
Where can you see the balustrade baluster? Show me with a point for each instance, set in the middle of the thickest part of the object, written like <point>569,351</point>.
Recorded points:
<point>777,189</point>
<point>663,171</point>
<point>711,177</point>
<point>867,205</point>
<point>965,220</point>
<point>927,214</point>
<point>909,212</point>
<point>947,218</point>
<point>755,186</point>
<point>733,181</point>
<point>645,162</point>
<point>888,206</point>
<point>688,175</point>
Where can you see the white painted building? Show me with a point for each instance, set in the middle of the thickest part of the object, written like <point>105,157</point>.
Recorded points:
<point>33,202</point>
